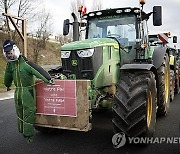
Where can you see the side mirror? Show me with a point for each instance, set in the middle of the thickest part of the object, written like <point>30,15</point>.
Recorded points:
<point>66,27</point>
<point>174,39</point>
<point>157,15</point>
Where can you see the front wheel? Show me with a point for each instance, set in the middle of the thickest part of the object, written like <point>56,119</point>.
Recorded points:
<point>135,104</point>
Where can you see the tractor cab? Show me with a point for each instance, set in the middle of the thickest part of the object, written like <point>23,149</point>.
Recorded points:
<point>119,24</point>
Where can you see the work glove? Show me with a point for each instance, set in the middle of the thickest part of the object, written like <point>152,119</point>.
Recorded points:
<point>8,88</point>
<point>52,82</point>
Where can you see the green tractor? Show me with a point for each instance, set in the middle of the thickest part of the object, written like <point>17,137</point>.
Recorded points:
<point>127,74</point>
<point>156,41</point>
<point>174,70</point>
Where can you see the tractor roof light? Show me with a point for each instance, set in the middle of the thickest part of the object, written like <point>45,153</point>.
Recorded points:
<point>99,13</point>
<point>119,11</point>
<point>142,2</point>
<point>91,14</point>
<point>85,16</point>
<point>127,10</point>
<point>136,11</point>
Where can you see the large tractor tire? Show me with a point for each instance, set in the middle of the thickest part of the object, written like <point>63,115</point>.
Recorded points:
<point>164,87</point>
<point>135,104</point>
<point>172,85</point>
<point>177,82</point>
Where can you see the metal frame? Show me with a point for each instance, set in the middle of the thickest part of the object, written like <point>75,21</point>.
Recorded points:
<point>23,33</point>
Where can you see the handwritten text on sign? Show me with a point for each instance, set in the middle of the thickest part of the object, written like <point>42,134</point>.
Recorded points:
<point>57,99</point>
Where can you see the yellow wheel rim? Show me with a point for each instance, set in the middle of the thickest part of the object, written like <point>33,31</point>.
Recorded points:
<point>149,108</point>
<point>166,84</point>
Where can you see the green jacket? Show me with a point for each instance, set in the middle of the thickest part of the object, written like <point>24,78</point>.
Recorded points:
<point>22,73</point>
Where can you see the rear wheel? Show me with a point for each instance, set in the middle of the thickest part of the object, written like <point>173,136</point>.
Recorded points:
<point>164,87</point>
<point>172,85</point>
<point>177,82</point>
<point>135,104</point>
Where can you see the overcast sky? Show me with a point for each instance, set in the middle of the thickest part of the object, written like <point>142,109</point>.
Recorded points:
<point>171,12</point>
<point>61,9</point>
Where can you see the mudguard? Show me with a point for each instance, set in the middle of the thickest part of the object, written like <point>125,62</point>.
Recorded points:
<point>149,67</point>
<point>137,66</point>
<point>158,56</point>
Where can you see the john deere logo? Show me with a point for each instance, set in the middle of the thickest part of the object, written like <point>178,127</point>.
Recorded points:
<point>74,62</point>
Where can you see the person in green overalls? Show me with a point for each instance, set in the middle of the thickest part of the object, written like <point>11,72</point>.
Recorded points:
<point>22,72</point>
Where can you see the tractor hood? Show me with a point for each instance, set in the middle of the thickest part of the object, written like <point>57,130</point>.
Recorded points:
<point>90,43</point>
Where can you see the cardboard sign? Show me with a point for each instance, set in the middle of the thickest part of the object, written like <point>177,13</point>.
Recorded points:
<point>57,99</point>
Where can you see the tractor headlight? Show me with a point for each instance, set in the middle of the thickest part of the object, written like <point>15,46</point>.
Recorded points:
<point>85,53</point>
<point>65,54</point>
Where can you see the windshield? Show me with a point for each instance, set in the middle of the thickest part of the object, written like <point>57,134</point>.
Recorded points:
<point>121,27</point>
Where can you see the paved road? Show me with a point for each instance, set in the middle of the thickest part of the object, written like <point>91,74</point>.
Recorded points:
<point>96,141</point>
<point>7,95</point>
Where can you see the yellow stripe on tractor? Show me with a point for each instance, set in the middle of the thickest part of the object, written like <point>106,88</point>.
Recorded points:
<point>171,62</point>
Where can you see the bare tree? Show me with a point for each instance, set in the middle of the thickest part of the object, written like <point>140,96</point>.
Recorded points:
<point>5,5</point>
<point>97,5</point>
<point>43,32</point>
<point>75,5</point>
<point>20,8</point>
<point>45,24</point>
<point>25,9</point>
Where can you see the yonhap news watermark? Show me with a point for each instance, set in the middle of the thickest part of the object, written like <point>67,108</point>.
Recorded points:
<point>119,140</point>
